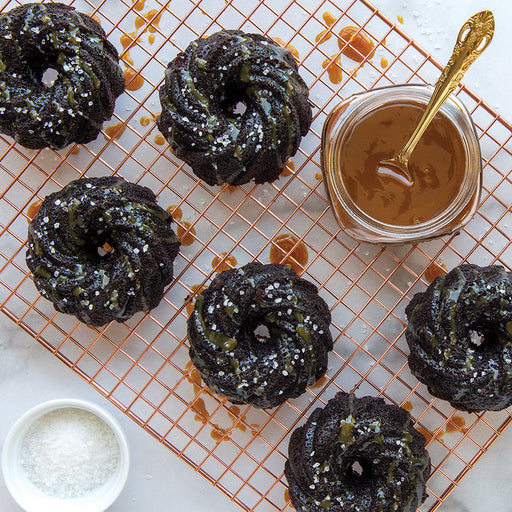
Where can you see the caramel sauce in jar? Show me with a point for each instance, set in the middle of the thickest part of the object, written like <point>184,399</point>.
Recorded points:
<point>437,165</point>
<point>371,202</point>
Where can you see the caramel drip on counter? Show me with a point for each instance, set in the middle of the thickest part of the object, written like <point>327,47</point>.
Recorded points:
<point>456,424</point>
<point>326,34</point>
<point>288,243</point>
<point>229,188</point>
<point>434,270</point>
<point>175,211</point>
<point>144,120</point>
<point>334,70</point>
<point>288,46</point>
<point>33,209</point>
<point>186,233</point>
<point>138,5</point>
<point>355,44</point>
<point>319,383</point>
<point>153,17</point>
<point>134,80</point>
<point>203,415</point>
<point>426,434</point>
<point>223,261</point>
<point>159,139</point>
<point>407,406</point>
<point>288,168</point>
<point>115,131</point>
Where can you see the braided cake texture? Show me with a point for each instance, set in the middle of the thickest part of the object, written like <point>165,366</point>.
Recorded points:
<point>259,334</point>
<point>200,120</point>
<point>37,37</point>
<point>357,455</point>
<point>460,337</point>
<point>64,241</point>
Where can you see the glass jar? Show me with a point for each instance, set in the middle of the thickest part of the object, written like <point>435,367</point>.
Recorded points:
<point>339,128</point>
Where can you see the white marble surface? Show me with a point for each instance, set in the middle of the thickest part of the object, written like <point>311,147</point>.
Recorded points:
<point>158,480</point>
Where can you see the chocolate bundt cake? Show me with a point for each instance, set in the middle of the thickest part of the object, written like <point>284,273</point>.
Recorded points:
<point>64,242</point>
<point>357,455</point>
<point>200,120</point>
<point>460,337</point>
<point>37,37</point>
<point>260,334</point>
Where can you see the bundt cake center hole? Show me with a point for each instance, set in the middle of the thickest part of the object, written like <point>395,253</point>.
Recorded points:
<point>239,108</point>
<point>261,333</point>
<point>477,339</point>
<point>105,249</point>
<point>49,77</point>
<point>357,469</point>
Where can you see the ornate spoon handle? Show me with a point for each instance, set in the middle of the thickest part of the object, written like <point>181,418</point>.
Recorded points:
<point>474,37</point>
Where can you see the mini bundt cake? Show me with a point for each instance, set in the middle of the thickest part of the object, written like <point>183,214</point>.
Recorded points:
<point>64,241</point>
<point>460,337</point>
<point>260,334</point>
<point>357,455</point>
<point>36,37</point>
<point>203,86</point>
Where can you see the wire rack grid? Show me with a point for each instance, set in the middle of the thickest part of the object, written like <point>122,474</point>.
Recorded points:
<point>142,366</point>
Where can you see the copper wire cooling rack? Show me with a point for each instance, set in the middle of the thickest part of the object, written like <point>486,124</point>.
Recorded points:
<point>142,366</point>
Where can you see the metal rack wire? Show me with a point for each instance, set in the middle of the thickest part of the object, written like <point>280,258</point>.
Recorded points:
<point>142,366</point>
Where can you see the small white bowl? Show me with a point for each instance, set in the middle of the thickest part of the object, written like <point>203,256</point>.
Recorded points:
<point>33,499</point>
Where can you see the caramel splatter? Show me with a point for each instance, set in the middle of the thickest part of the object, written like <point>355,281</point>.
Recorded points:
<point>202,414</point>
<point>318,176</point>
<point>435,269</point>
<point>144,120</point>
<point>228,188</point>
<point>355,44</point>
<point>383,62</point>
<point>159,139</point>
<point>175,211</point>
<point>288,250</point>
<point>407,406</point>
<point>288,46</point>
<point>286,496</point>
<point>334,70</point>
<point>33,209</point>
<point>138,5</point>
<point>400,18</point>
<point>223,261</point>
<point>133,79</point>
<point>288,168</point>
<point>153,18</point>
<point>151,38</point>
<point>75,150</point>
<point>326,34</point>
<point>319,383</point>
<point>186,233</point>
<point>426,434</point>
<point>115,131</point>
<point>456,424</point>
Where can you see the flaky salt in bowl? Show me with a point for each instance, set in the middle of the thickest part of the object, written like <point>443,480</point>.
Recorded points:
<point>65,455</point>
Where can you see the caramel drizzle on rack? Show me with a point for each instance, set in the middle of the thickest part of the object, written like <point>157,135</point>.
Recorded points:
<point>223,261</point>
<point>202,414</point>
<point>288,250</point>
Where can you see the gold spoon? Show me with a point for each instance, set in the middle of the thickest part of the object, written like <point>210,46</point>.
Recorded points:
<point>474,37</point>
